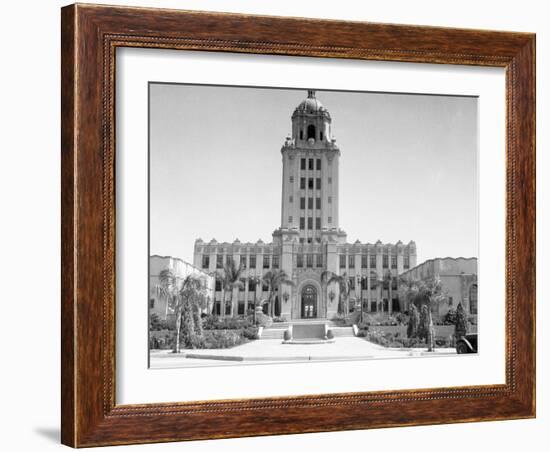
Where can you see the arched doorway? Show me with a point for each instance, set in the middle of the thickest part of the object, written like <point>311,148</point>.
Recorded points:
<point>309,302</point>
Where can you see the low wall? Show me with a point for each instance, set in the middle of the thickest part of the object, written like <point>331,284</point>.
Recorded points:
<point>440,330</point>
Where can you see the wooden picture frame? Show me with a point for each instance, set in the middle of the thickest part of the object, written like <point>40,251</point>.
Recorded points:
<point>90,35</point>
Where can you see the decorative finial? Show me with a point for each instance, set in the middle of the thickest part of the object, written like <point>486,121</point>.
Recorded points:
<point>311,94</point>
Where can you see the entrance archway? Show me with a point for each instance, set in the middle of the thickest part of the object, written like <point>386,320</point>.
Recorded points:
<point>309,302</point>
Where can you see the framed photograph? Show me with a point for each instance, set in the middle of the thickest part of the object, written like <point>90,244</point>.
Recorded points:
<point>268,231</point>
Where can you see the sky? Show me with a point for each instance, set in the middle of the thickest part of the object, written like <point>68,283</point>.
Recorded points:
<point>408,166</point>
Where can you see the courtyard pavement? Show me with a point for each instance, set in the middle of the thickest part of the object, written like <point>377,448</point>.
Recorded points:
<point>274,351</point>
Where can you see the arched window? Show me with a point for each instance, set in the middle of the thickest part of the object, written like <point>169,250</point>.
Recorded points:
<point>473,299</point>
<point>311,131</point>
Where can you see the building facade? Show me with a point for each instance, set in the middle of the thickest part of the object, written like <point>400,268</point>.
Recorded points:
<point>310,241</point>
<point>458,278</point>
<point>180,269</point>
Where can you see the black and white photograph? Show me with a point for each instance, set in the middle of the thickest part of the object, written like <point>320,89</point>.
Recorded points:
<point>292,225</point>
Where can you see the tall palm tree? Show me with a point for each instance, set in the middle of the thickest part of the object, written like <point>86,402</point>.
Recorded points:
<point>231,278</point>
<point>388,280</point>
<point>273,279</point>
<point>186,297</point>
<point>344,284</point>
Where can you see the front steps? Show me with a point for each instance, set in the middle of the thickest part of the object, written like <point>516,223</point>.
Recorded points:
<point>276,331</point>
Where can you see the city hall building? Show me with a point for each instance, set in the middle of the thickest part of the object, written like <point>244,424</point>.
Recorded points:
<point>310,240</point>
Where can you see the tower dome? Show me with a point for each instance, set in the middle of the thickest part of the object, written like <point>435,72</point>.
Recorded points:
<point>311,105</point>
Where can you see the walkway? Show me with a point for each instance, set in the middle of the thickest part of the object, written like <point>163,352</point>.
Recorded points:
<point>274,351</point>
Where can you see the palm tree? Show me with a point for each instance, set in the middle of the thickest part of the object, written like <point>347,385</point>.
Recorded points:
<point>273,279</point>
<point>388,280</point>
<point>426,292</point>
<point>192,294</point>
<point>344,285</point>
<point>186,300</point>
<point>231,278</point>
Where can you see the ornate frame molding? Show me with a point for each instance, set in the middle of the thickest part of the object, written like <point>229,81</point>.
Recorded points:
<point>90,37</point>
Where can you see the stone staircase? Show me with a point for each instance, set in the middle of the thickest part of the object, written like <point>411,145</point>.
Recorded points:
<point>277,329</point>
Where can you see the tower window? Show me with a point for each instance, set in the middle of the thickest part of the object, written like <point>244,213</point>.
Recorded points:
<point>303,164</point>
<point>321,136</point>
<point>310,223</point>
<point>319,164</point>
<point>309,260</point>
<point>310,203</point>
<point>318,223</point>
<point>300,260</point>
<point>290,198</point>
<point>302,203</point>
<point>311,131</point>
<point>318,183</point>
<point>301,134</point>
<point>302,183</point>
<point>318,203</point>
<point>302,223</point>
<point>310,164</point>
<point>310,183</point>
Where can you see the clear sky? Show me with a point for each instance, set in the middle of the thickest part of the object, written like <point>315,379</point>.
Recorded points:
<point>408,166</point>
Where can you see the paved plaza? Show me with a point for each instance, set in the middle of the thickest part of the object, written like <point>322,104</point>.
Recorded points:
<point>274,351</point>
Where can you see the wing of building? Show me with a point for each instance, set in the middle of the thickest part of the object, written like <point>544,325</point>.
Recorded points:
<point>458,278</point>
<point>180,269</point>
<point>310,242</point>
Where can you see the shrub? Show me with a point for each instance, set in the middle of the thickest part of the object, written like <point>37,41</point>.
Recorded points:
<point>156,324</point>
<point>250,333</point>
<point>414,320</point>
<point>450,317</point>
<point>227,323</point>
<point>286,335</point>
<point>402,318</point>
<point>264,320</point>
<point>330,334</point>
<point>278,319</point>
<point>218,339</point>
